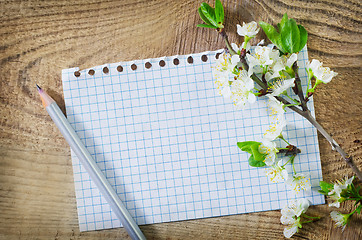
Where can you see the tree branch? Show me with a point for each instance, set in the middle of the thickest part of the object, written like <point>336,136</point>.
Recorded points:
<point>226,39</point>
<point>334,144</point>
<point>298,87</point>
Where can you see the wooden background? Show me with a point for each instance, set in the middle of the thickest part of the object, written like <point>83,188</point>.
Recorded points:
<point>40,38</point>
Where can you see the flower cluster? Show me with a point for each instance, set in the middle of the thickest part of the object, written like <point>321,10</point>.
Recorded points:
<point>338,188</point>
<point>234,81</point>
<point>321,74</point>
<point>292,216</point>
<point>339,192</point>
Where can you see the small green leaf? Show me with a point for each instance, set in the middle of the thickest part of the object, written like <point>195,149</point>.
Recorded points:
<point>303,37</point>
<point>257,155</point>
<point>246,146</point>
<point>358,189</point>
<point>272,34</point>
<point>290,36</point>
<point>219,12</point>
<point>256,159</point>
<point>255,163</point>
<point>283,21</point>
<point>322,192</point>
<point>205,26</point>
<point>202,16</point>
<point>325,186</point>
<point>209,13</point>
<point>359,208</point>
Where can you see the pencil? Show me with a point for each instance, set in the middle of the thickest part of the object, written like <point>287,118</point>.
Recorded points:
<point>90,166</point>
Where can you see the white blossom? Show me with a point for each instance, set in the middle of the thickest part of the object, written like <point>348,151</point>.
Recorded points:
<point>347,181</point>
<point>268,148</point>
<point>335,193</point>
<point>299,182</point>
<point>238,49</point>
<point>281,63</point>
<point>222,72</point>
<point>248,29</point>
<point>225,63</point>
<point>296,209</point>
<point>277,112</point>
<point>301,206</point>
<point>277,173</point>
<point>261,43</point>
<point>280,86</point>
<point>275,129</point>
<point>290,216</point>
<point>262,56</point>
<point>291,229</point>
<point>276,107</point>
<point>223,86</point>
<point>290,61</point>
<point>323,74</point>
<point>241,90</point>
<point>340,219</point>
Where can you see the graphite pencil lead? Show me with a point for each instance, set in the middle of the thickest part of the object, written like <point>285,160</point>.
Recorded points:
<point>37,87</point>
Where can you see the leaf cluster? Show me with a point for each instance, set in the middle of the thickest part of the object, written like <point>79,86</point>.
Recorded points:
<point>288,37</point>
<point>256,159</point>
<point>325,187</point>
<point>350,193</point>
<point>213,17</point>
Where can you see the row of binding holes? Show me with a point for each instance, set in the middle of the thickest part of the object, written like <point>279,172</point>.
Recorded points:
<point>148,65</point>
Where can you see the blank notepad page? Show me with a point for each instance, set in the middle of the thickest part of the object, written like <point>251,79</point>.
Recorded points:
<point>167,143</point>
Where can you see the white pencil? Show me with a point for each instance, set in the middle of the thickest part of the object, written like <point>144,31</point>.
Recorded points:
<point>91,166</point>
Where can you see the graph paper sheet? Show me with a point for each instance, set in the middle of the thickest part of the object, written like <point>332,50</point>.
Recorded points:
<point>167,143</point>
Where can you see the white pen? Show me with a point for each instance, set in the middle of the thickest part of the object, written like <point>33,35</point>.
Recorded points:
<point>91,166</point>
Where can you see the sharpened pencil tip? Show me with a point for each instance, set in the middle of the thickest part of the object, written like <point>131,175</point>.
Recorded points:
<point>37,87</point>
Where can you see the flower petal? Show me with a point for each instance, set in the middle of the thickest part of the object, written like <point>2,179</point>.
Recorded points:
<point>290,231</point>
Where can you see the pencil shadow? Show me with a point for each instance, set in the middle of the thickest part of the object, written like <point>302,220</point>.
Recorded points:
<point>58,98</point>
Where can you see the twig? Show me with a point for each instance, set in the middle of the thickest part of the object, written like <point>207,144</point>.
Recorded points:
<point>225,37</point>
<point>298,87</point>
<point>307,114</point>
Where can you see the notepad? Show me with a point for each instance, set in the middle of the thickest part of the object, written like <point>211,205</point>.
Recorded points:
<point>166,142</point>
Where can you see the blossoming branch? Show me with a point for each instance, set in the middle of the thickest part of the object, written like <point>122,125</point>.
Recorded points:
<point>269,71</point>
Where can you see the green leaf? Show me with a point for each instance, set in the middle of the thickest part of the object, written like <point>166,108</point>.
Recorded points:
<point>352,187</point>
<point>205,26</point>
<point>202,16</point>
<point>272,34</point>
<point>246,146</point>
<point>219,12</point>
<point>358,189</point>
<point>322,192</point>
<point>325,186</point>
<point>255,163</point>
<point>359,208</point>
<point>256,159</point>
<point>257,155</point>
<point>303,37</point>
<point>209,13</point>
<point>290,36</point>
<point>283,21</point>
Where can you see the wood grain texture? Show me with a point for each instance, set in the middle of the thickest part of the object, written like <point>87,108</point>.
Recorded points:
<point>40,38</point>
